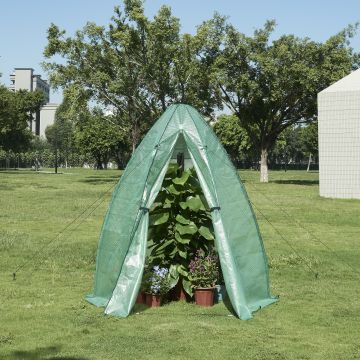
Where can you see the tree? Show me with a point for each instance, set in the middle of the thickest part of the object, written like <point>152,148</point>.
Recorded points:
<point>233,137</point>
<point>16,109</point>
<point>309,140</point>
<point>105,65</point>
<point>271,86</point>
<point>135,66</point>
<point>98,135</point>
<point>288,147</point>
<point>60,137</point>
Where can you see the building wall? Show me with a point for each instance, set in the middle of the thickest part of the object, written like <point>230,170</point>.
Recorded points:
<point>22,79</point>
<point>25,79</point>
<point>47,117</point>
<point>40,84</point>
<point>339,143</point>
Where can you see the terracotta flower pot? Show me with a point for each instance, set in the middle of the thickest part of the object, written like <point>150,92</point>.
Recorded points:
<point>153,300</point>
<point>204,296</point>
<point>178,292</point>
<point>141,298</point>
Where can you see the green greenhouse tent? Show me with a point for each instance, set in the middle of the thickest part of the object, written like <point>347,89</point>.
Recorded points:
<point>123,240</point>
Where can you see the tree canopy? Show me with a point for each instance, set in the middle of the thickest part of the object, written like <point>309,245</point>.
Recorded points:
<point>233,137</point>
<point>98,135</point>
<point>136,67</point>
<point>272,85</point>
<point>16,109</point>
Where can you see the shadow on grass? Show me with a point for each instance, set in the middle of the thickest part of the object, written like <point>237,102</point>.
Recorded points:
<point>228,305</point>
<point>100,179</point>
<point>296,182</point>
<point>28,171</point>
<point>42,354</point>
<point>17,171</point>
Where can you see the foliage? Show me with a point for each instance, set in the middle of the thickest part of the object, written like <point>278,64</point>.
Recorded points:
<point>309,138</point>
<point>60,135</point>
<point>180,224</point>
<point>16,109</point>
<point>288,147</point>
<point>40,153</point>
<point>272,85</point>
<point>204,269</point>
<point>233,137</point>
<point>98,135</point>
<point>136,67</point>
<point>295,144</point>
<point>156,280</point>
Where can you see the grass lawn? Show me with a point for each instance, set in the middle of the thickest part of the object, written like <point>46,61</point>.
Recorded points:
<point>43,314</point>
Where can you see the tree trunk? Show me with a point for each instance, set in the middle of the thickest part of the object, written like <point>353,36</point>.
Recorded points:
<point>135,131</point>
<point>56,160</point>
<point>309,162</point>
<point>105,162</point>
<point>264,176</point>
<point>135,134</point>
<point>99,165</point>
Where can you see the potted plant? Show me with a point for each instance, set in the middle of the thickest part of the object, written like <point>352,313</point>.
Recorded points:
<point>157,284</point>
<point>180,224</point>
<point>204,273</point>
<point>141,298</point>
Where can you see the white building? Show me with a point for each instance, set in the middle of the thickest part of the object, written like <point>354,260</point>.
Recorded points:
<point>339,138</point>
<point>47,117</point>
<point>25,79</point>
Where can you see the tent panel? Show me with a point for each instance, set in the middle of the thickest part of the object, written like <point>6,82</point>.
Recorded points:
<point>128,283</point>
<point>239,223</point>
<point>115,236</point>
<point>227,261</point>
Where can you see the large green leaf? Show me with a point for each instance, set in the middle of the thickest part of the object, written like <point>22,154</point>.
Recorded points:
<point>187,286</point>
<point>169,200</point>
<point>180,239</point>
<point>172,170</point>
<point>164,245</point>
<point>173,276</point>
<point>193,203</point>
<point>174,252</point>
<point>186,229</point>
<point>183,179</point>
<point>182,220</point>
<point>160,218</point>
<point>182,270</point>
<point>206,233</point>
<point>173,190</point>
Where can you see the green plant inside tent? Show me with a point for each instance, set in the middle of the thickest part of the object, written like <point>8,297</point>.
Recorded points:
<point>180,224</point>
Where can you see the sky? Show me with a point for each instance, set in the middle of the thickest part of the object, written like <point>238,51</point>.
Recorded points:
<point>23,23</point>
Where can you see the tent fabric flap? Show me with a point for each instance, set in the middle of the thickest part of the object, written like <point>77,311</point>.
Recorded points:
<point>122,245</point>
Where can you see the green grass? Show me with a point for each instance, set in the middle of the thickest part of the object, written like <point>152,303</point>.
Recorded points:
<point>43,314</point>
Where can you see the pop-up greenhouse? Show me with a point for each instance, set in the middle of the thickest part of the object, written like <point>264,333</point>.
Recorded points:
<point>123,240</point>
